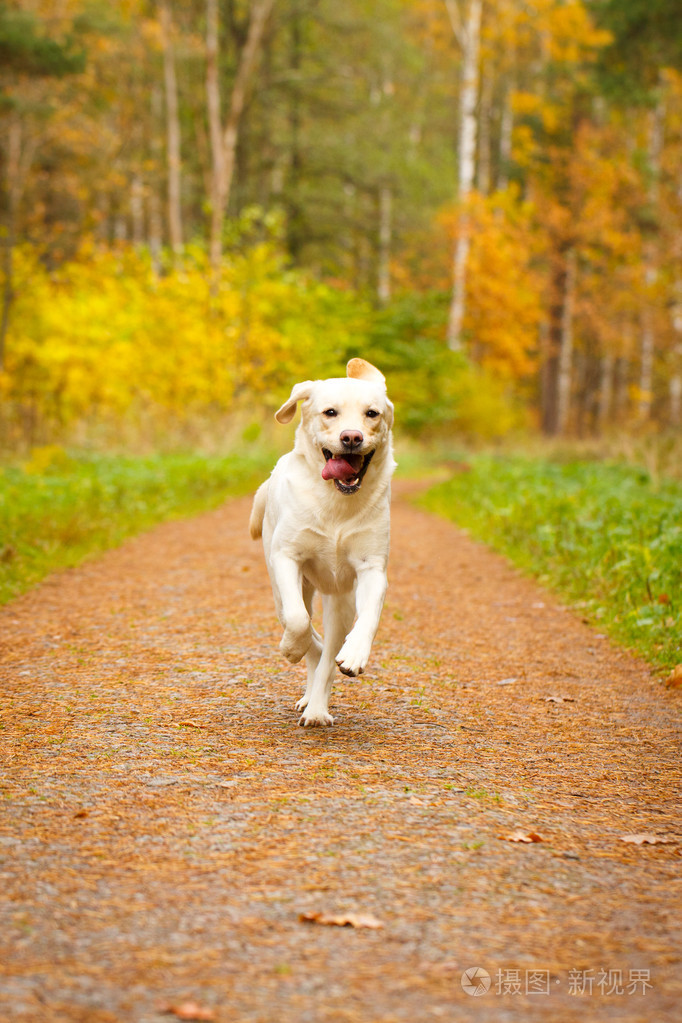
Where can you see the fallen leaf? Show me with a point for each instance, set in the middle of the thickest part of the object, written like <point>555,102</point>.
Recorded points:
<point>189,724</point>
<point>506,681</point>
<point>80,814</point>
<point>521,836</point>
<point>674,679</point>
<point>342,920</point>
<point>558,699</point>
<point>647,840</point>
<point>190,1011</point>
<point>415,802</point>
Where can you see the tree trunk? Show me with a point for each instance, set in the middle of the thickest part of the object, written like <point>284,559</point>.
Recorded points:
<point>675,386</point>
<point>13,185</point>
<point>483,177</point>
<point>137,210</point>
<point>554,342</point>
<point>385,234</point>
<point>154,218</point>
<point>18,162</point>
<point>214,124</point>
<point>648,337</point>
<point>506,127</point>
<point>173,134</point>
<point>295,228</point>
<point>647,346</point>
<point>566,347</point>
<point>225,140</point>
<point>605,391</point>
<point>468,33</point>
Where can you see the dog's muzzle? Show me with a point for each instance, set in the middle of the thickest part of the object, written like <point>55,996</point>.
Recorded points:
<point>346,470</point>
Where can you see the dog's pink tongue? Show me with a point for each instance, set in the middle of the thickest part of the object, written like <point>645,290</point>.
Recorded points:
<point>338,469</point>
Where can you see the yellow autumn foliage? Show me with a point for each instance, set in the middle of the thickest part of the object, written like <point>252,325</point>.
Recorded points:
<point>104,335</point>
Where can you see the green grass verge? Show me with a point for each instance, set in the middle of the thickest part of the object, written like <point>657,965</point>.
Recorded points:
<point>58,509</point>
<point>602,535</point>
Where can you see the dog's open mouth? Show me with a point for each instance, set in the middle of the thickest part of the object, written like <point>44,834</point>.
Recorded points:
<point>347,471</point>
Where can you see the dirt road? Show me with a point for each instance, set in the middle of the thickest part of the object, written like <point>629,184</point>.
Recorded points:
<point>165,822</point>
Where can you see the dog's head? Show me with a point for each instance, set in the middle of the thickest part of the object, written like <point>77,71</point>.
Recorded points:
<point>345,423</point>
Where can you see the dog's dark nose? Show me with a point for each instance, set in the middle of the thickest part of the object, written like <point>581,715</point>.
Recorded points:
<point>351,439</point>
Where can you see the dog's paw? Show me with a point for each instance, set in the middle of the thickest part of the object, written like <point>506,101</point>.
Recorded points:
<point>348,672</point>
<point>314,719</point>
<point>295,645</point>
<point>301,704</point>
<point>352,658</point>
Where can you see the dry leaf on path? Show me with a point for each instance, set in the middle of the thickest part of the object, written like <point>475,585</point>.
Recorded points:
<point>521,836</point>
<point>647,840</point>
<point>188,724</point>
<point>558,699</point>
<point>342,920</point>
<point>190,1011</point>
<point>674,679</point>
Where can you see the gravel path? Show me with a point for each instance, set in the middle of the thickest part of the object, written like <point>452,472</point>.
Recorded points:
<point>165,823</point>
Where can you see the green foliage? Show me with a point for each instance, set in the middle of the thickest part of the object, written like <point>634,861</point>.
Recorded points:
<point>601,534</point>
<point>59,508</point>
<point>646,36</point>
<point>26,49</point>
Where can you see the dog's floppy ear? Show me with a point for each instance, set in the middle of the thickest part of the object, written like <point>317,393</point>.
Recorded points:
<point>360,369</point>
<point>299,393</point>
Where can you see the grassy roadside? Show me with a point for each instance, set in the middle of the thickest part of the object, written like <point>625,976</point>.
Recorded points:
<point>57,509</point>
<point>603,536</point>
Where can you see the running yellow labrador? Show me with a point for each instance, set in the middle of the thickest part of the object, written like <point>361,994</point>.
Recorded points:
<point>324,518</point>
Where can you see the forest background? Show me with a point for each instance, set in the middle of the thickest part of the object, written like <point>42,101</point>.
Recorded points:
<point>204,201</point>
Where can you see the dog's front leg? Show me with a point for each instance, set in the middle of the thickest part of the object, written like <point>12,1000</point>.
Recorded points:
<point>287,580</point>
<point>369,600</point>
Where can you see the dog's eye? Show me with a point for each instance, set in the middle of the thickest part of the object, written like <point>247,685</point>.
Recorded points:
<point>371,413</point>
<point>330,413</point>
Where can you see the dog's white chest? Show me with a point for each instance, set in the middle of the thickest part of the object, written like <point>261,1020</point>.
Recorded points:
<point>325,562</point>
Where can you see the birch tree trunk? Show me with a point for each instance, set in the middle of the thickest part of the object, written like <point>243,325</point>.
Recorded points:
<point>224,139</point>
<point>172,133</point>
<point>468,32</point>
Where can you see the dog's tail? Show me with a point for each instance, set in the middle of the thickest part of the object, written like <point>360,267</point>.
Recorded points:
<point>258,511</point>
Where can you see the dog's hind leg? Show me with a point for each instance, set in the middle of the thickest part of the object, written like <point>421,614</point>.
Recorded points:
<point>338,614</point>
<point>312,657</point>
